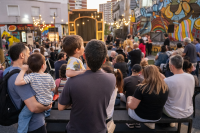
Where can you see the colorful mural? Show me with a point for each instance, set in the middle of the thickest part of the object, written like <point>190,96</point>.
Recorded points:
<point>183,14</point>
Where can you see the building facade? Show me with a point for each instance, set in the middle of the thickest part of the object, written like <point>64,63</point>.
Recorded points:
<point>107,9</point>
<point>18,17</point>
<point>78,4</point>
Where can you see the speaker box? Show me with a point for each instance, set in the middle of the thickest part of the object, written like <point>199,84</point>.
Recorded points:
<point>171,28</point>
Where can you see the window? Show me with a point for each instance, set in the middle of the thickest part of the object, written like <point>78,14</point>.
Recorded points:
<point>35,11</point>
<point>146,3</point>
<point>13,10</point>
<point>52,11</point>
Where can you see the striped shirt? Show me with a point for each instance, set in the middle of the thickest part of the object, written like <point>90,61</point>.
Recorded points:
<point>42,85</point>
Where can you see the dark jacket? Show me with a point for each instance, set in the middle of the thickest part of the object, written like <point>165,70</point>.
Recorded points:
<point>135,57</point>
<point>123,67</point>
<point>120,51</point>
<point>167,42</point>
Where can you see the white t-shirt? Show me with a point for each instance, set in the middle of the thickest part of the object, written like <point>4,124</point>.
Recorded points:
<point>36,49</point>
<point>110,108</point>
<point>181,89</point>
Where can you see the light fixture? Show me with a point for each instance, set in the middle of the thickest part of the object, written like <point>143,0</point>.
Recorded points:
<point>66,22</point>
<point>26,16</point>
<point>40,15</point>
<point>72,24</point>
<point>77,24</point>
<point>88,20</point>
<point>51,22</point>
<point>62,20</point>
<point>98,16</point>
<point>92,16</point>
<point>33,18</point>
<point>83,23</point>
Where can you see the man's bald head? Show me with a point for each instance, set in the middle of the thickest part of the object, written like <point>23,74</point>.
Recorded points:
<point>113,54</point>
<point>136,45</point>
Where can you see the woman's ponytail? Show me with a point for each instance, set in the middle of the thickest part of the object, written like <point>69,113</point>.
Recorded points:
<point>119,80</point>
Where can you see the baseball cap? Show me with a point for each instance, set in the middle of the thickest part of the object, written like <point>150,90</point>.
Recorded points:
<point>136,68</point>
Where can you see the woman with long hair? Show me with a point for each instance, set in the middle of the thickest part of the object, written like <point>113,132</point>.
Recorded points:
<point>43,52</point>
<point>149,98</point>
<point>161,57</point>
<point>189,68</point>
<point>115,98</point>
<point>142,47</point>
<point>120,64</point>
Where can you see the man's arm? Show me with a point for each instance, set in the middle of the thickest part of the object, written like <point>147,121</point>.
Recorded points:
<point>64,100</point>
<point>62,107</point>
<point>183,55</point>
<point>34,106</point>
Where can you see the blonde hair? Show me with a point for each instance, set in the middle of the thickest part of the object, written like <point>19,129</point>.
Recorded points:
<point>153,81</point>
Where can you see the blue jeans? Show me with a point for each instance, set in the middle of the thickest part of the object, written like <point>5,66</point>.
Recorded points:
<point>130,71</point>
<point>47,113</point>
<point>24,118</point>
<point>197,69</point>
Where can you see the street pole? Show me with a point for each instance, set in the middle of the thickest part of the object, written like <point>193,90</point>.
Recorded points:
<point>1,50</point>
<point>55,29</point>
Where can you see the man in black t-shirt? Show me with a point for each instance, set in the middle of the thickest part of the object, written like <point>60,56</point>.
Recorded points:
<point>131,82</point>
<point>135,56</point>
<point>89,93</point>
<point>117,41</point>
<point>167,41</point>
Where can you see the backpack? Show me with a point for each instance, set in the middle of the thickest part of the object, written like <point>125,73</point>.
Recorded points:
<point>8,110</point>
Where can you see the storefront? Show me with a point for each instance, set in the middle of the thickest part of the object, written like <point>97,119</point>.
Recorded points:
<point>20,31</point>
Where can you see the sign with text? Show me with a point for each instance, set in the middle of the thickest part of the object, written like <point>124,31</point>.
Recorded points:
<point>20,27</point>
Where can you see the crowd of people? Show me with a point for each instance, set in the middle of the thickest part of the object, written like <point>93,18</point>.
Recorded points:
<point>97,77</point>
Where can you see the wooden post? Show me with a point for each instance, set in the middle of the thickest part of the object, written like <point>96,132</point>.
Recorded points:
<point>1,50</point>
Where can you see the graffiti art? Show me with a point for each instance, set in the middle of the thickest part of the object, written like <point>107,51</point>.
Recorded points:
<point>183,14</point>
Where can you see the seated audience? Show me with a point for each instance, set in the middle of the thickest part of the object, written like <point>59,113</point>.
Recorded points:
<point>121,65</point>
<point>61,60</point>
<point>181,90</point>
<point>107,63</point>
<point>169,51</point>
<point>147,103</point>
<point>131,82</point>
<point>143,64</point>
<point>60,82</point>
<point>189,68</point>
<point>112,55</point>
<point>97,85</point>
<point>43,52</point>
<point>52,54</point>
<point>179,50</point>
<point>37,48</point>
<point>120,51</point>
<point>161,57</point>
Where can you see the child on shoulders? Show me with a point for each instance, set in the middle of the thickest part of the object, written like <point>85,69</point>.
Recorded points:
<point>74,47</point>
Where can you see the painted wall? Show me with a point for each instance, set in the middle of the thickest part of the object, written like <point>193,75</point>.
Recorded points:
<point>184,14</point>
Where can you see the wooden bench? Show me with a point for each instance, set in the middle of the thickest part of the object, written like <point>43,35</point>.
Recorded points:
<point>120,117</point>
<point>122,106</point>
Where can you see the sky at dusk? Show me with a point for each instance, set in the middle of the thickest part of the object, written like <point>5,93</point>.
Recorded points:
<point>94,4</point>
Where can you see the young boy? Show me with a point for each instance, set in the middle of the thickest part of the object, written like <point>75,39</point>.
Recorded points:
<point>73,46</point>
<point>42,83</point>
